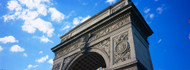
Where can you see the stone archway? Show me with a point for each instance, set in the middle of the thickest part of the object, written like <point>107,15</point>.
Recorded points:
<point>88,61</point>
<point>115,39</point>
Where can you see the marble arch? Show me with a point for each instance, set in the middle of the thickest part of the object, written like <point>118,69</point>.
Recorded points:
<point>113,39</point>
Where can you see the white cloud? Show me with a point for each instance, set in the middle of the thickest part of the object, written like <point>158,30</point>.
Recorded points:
<point>151,16</point>
<point>16,48</point>
<point>42,10</point>
<point>110,1</point>
<point>25,55</point>
<point>40,52</point>
<point>8,39</point>
<point>50,61</point>
<point>70,14</point>
<point>28,15</point>
<point>32,66</point>
<point>66,27</point>
<point>44,39</point>
<point>28,28</point>
<point>30,12</point>
<point>78,20</point>
<point>159,40</point>
<point>41,25</point>
<point>14,5</point>
<point>33,4</point>
<point>56,15</point>
<point>1,49</point>
<point>159,10</point>
<point>8,17</point>
<point>42,59</point>
<point>147,10</point>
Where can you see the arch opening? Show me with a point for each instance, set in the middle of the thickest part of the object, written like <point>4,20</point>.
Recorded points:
<point>88,61</point>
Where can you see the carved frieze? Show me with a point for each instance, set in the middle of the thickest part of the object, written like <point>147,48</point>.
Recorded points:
<point>115,25</point>
<point>121,48</point>
<point>103,46</point>
<point>75,45</point>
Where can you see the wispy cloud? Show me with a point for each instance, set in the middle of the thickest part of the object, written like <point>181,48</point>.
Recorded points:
<point>50,61</point>
<point>70,14</point>
<point>110,1</point>
<point>42,59</point>
<point>40,52</point>
<point>146,10</point>
<point>1,49</point>
<point>31,66</point>
<point>78,20</point>
<point>151,16</point>
<point>64,28</point>
<point>44,39</point>
<point>160,40</point>
<point>160,10</point>
<point>25,55</point>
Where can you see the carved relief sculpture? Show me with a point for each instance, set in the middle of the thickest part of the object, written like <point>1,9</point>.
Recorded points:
<point>121,48</point>
<point>75,45</point>
<point>104,46</point>
<point>116,24</point>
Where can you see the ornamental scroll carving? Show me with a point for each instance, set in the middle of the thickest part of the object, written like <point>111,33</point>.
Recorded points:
<point>121,48</point>
<point>115,25</point>
<point>104,46</point>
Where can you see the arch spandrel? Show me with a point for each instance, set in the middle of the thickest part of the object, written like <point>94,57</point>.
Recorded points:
<point>99,48</point>
<point>97,51</point>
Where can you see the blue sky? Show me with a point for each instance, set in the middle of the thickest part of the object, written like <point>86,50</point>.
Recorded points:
<point>30,28</point>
